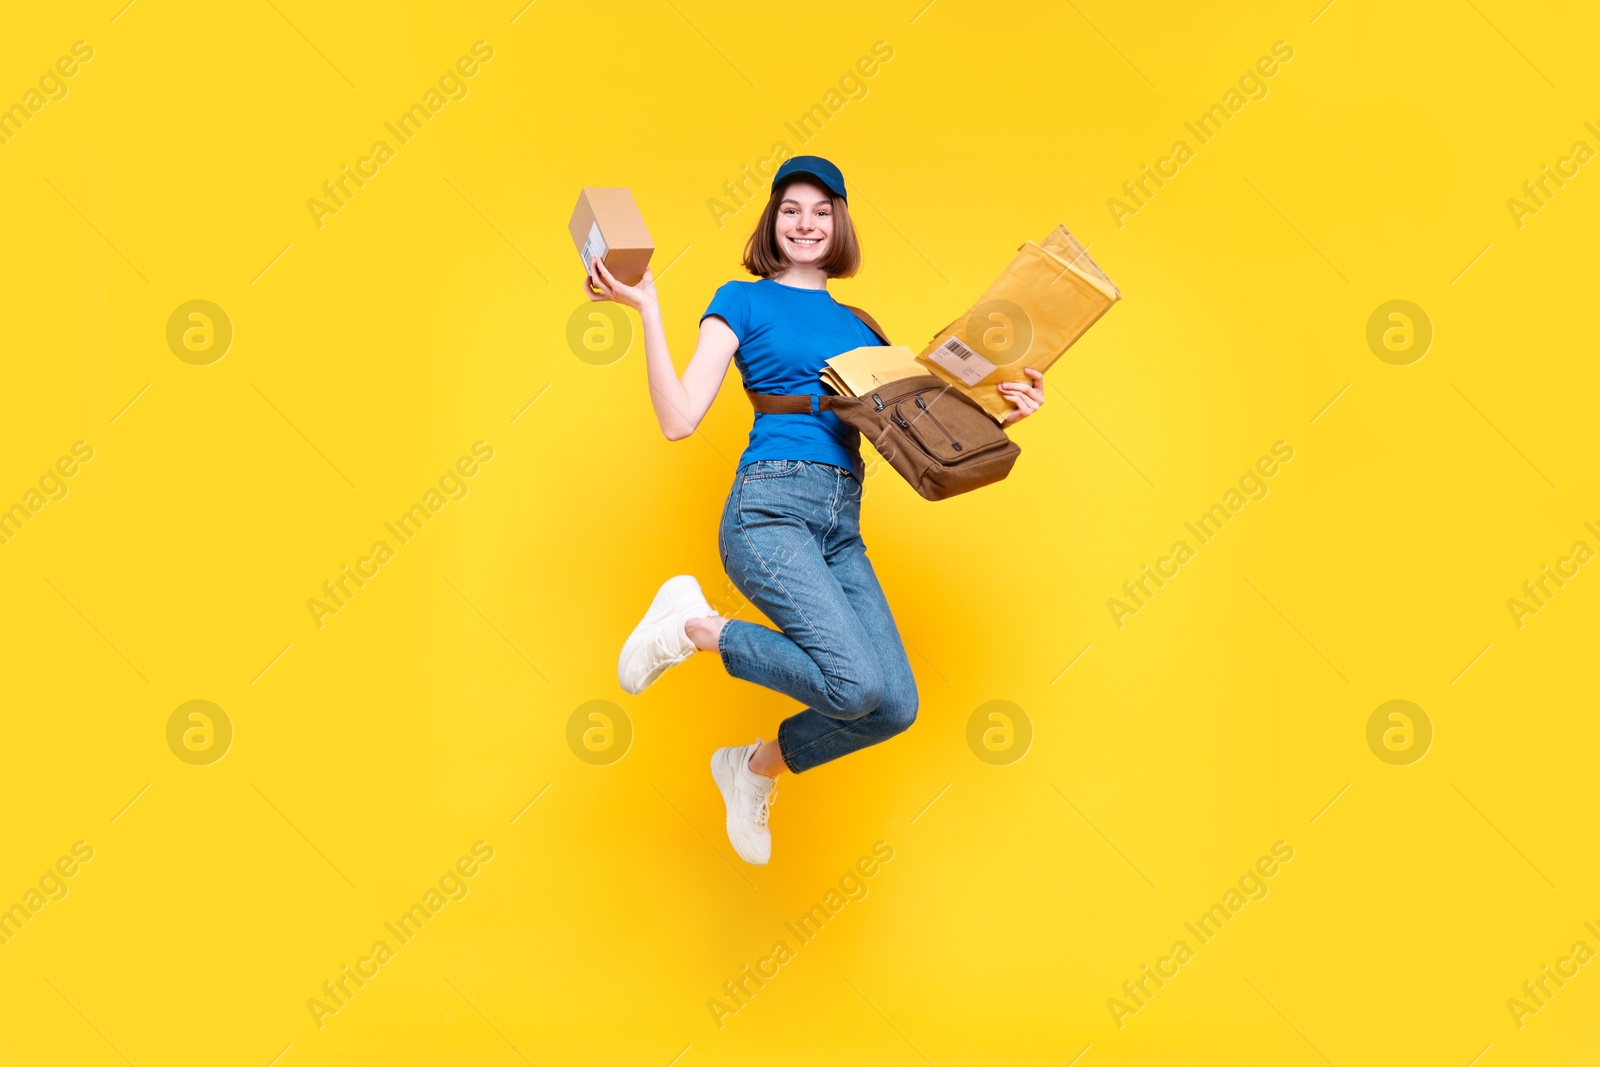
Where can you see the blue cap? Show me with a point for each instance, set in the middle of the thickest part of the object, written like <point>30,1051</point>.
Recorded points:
<point>813,167</point>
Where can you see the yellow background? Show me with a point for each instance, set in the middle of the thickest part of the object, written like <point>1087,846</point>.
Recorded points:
<point>425,716</point>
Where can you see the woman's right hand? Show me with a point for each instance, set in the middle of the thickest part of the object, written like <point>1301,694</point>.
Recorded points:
<point>603,285</point>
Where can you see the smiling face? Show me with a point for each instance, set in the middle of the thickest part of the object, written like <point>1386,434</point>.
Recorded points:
<point>803,235</point>
<point>804,224</point>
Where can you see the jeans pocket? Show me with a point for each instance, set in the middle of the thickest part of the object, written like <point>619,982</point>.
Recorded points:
<point>769,468</point>
<point>780,493</point>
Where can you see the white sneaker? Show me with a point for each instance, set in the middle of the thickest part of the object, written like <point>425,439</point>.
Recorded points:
<point>749,798</point>
<point>658,642</point>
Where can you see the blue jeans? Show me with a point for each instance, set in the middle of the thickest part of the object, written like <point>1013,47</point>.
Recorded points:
<point>791,541</point>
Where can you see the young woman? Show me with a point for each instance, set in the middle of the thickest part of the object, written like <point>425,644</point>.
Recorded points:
<point>790,536</point>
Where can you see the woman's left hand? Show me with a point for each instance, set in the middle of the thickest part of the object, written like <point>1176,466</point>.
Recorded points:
<point>1028,398</point>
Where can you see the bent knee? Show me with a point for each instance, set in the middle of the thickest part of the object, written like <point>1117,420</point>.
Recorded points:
<point>898,711</point>
<point>855,698</point>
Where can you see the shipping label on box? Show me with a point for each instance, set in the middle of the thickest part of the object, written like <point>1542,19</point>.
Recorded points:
<point>594,246</point>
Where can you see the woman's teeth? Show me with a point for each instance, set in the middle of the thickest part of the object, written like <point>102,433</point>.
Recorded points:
<point>807,241</point>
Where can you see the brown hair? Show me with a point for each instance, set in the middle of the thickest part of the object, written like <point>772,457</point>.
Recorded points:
<point>763,258</point>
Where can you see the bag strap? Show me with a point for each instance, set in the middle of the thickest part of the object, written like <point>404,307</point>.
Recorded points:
<point>808,403</point>
<point>789,404</point>
<point>872,324</point>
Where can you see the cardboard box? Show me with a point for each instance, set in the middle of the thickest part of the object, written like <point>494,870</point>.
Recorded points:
<point>607,223</point>
<point>1045,299</point>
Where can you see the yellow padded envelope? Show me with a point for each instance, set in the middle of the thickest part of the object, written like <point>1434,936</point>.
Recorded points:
<point>1046,298</point>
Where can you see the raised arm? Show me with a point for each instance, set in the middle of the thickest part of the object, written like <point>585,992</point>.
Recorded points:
<point>680,403</point>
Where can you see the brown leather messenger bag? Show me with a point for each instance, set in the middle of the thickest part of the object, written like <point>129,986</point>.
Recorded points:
<point>941,442</point>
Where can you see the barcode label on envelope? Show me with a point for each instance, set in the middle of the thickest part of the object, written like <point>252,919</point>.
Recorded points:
<point>962,361</point>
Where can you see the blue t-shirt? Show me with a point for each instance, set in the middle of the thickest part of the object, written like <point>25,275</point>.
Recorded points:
<point>785,335</point>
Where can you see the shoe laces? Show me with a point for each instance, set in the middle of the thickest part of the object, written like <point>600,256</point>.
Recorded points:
<point>765,807</point>
<point>669,642</point>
